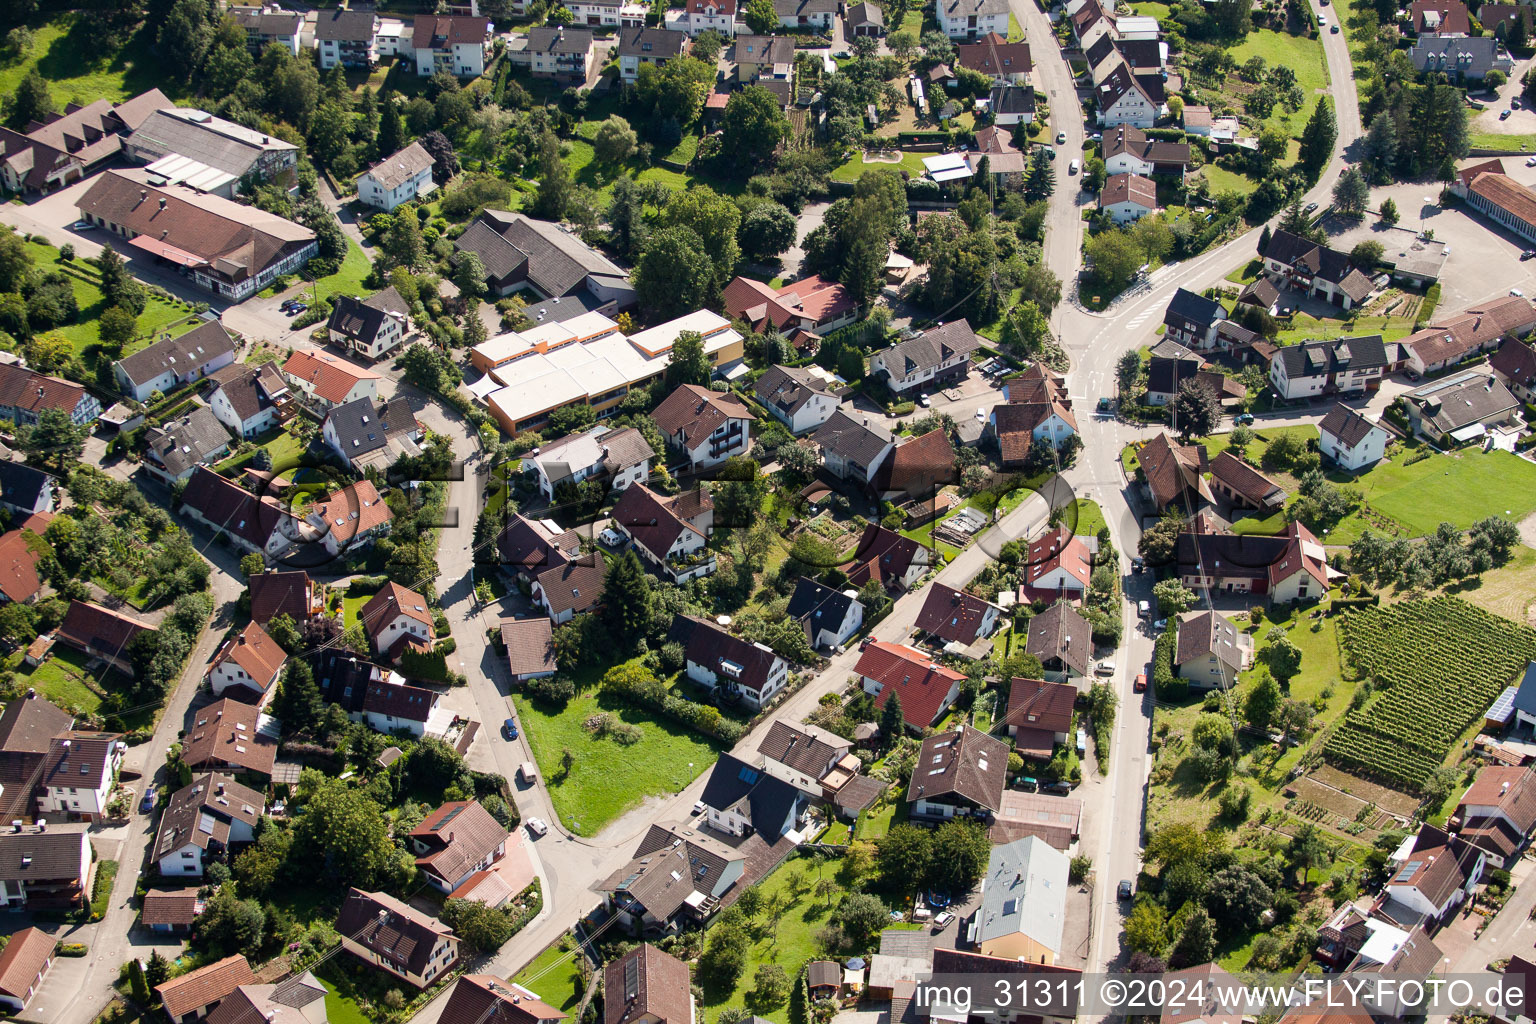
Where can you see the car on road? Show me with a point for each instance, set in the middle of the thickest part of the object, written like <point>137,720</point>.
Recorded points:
<point>1061,138</point>
<point>942,921</point>
<point>1334,29</point>
<point>296,310</point>
<point>1126,890</point>
<point>864,643</point>
<point>82,225</point>
<point>1311,208</point>
<point>1074,167</point>
<point>1160,625</point>
<point>1140,685</point>
<point>1514,103</point>
<point>1322,19</point>
<point>926,401</point>
<point>538,826</point>
<point>1504,114</point>
<point>1144,609</point>
<point>1530,161</point>
<point>1105,667</point>
<point>1516,293</point>
<point>699,807</point>
<point>509,728</point>
<point>1138,564</point>
<point>528,773</point>
<point>1243,419</point>
<point>147,803</point>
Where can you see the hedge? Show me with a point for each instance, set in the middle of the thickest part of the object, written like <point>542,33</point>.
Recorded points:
<point>701,717</point>
<point>101,890</point>
<point>1168,686</point>
<point>432,665</point>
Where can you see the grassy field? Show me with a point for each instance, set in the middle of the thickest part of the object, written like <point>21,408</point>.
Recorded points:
<point>924,536</point>
<point>1263,437</point>
<point>1457,489</point>
<point>1306,328</point>
<point>609,779</point>
<point>341,1010</point>
<point>283,446</point>
<point>62,679</point>
<point>1302,54</point>
<point>1494,140</point>
<point>855,166</point>
<point>554,977</point>
<point>159,315</point>
<point>75,76</point>
<point>1223,180</point>
<point>1090,518</point>
<point>1510,591</point>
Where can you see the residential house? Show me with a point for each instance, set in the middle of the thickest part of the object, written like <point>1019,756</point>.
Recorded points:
<point>897,562</point>
<point>79,773</point>
<point>700,16</point>
<point>395,937</point>
<point>954,618</point>
<point>252,524</point>
<point>396,618</point>
<point>1018,426</point>
<point>815,15</point>
<point>223,247</point>
<point>1289,566</point>
<point>994,56</point>
<point>763,58</point>
<point>202,821</point>
<point>189,997</point>
<point>1341,936</point>
<point>456,840</point>
<point>167,365</point>
<point>1011,105</point>
<point>1341,366</point>
<point>1462,59</point>
<point>718,660</point>
<point>799,397</point>
<point>1059,564</point>
<point>803,756</point>
<point>530,645</point>
<point>28,727</point>
<point>20,553</point>
<point>231,737</point>
<point>852,449</point>
<point>1500,19</point>
<point>600,13</point>
<point>1210,651</point>
<point>63,148</point>
<point>487,999</point>
<point>210,154</point>
<point>741,800</point>
<point>371,327</point>
<point>1352,440</point>
<point>958,774</point>
<point>1394,954</point>
<point>300,1000</point>
<point>1191,320</point>
<point>1023,901</point>
<point>457,44</point>
<point>669,534</point>
<point>813,304</point>
<point>864,19</point>
<point>971,19</point>
<point>365,433</point>
<point>1471,333</point>
<point>916,468</point>
<point>1091,24</point>
<point>327,380</point>
<point>23,963</point>
<point>829,616</point>
<point>571,587</point>
<point>647,986</point>
<point>45,868</point>
<point>172,911</point>
<point>174,449</point>
<point>1170,366</point>
<point>348,38</point>
<point>925,688</point>
<point>1437,874</point>
<point>1063,641</point>
<point>1512,1007</point>
<point>1500,198</point>
<point>250,400</point>
<point>520,253</point>
<point>558,52</point>
<point>676,877</point>
<point>269,25</point>
<point>1039,716</point>
<point>25,394</point>
<point>1124,97</point>
<point>248,666</point>
<point>99,632</point>
<point>393,707</point>
<point>526,547</point>
<point>1498,811</point>
<point>1126,198</point>
<point>653,46</point>
<point>1291,261</point>
<point>1127,150</point>
<point>350,519</point>
<point>1460,408</point>
<point>622,457</point>
<point>707,426</point>
<point>1440,18</point>
<point>934,359</point>
<point>25,490</point>
<point>1515,363</point>
<point>1243,486</point>
<point>399,178</point>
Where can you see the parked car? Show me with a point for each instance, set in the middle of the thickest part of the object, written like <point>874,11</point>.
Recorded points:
<point>82,225</point>
<point>1243,419</point>
<point>699,807</point>
<point>296,310</point>
<point>1138,564</point>
<point>1516,293</point>
<point>926,401</point>
<point>528,773</point>
<point>1144,609</point>
<point>611,537</point>
<point>1126,890</point>
<point>147,803</point>
<point>1311,208</point>
<point>1160,625</point>
<point>538,826</point>
<point>1074,166</point>
<point>1504,114</point>
<point>1105,667</point>
<point>1106,405</point>
<point>1140,685</point>
<point>1514,103</point>
<point>509,728</point>
<point>942,921</point>
<point>1061,138</point>
<point>1528,254</point>
<point>1322,19</point>
<point>1334,29</point>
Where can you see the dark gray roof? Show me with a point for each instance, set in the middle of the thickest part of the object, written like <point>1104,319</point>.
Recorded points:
<point>1012,99</point>
<point>764,49</point>
<point>1060,632</point>
<point>1316,358</point>
<point>187,441</point>
<point>22,485</point>
<point>1205,633</point>
<point>818,606</point>
<point>852,438</point>
<point>1189,311</point>
<point>957,9</point>
<point>1321,261</point>
<point>932,347</point>
<point>797,8</point>
<point>363,427</point>
<point>249,389</point>
<point>1140,54</point>
<point>769,802</point>
<point>864,14</point>
<point>230,507</point>
<point>344,25</point>
<point>788,388</point>
<point>29,724</point>
<point>361,318</point>
<point>178,355</point>
<point>1122,80</point>
<point>544,39</point>
<point>1515,361</point>
<point>1164,375</point>
<point>553,260</point>
<point>32,856</point>
<point>659,42</point>
<point>707,645</point>
<point>801,750</point>
<point>1451,405</point>
<point>1344,423</point>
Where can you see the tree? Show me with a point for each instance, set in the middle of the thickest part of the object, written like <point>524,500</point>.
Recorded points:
<point>1040,285</point>
<point>862,917</point>
<point>767,231</point>
<point>401,243</point>
<point>1380,147</point>
<point>1128,370</point>
<point>1307,849</point>
<point>892,725</point>
<point>959,855</point>
<point>1318,138</point>
<point>1115,259</point>
<point>347,835</point>
<point>1262,702</point>
<point>483,928</point>
<point>1146,930</point>
<point>1282,656</point>
<point>1025,328</point>
<point>1153,237</point>
<point>689,364</point>
<point>158,971</point>
<point>1264,239</point>
<point>770,987</point>
<point>715,219</point>
<point>445,159</point>
<point>117,327</point>
<point>391,128</point>
<point>725,956</point>
<point>752,126</point>
<point>674,93</point>
<point>905,855</point>
<point>1197,942</point>
<point>137,985</point>
<point>1173,597</point>
<point>761,16</point>
<point>299,705</point>
<point>555,184</point>
<point>626,609</point>
<point>615,141</point>
<point>1367,254</point>
<point>118,286</point>
<point>1196,410</point>
<point>1351,194</point>
<point>1389,214</point>
<point>229,924</point>
<point>1040,179</point>
<point>30,102</point>
<point>1273,142</point>
<point>469,274</point>
<point>53,441</point>
<point>47,353</point>
<point>674,275</point>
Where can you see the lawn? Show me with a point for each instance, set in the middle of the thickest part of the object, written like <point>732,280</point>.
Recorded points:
<point>1152,10</point>
<point>924,536</point>
<point>608,779</point>
<point>554,977</point>
<point>1494,140</point>
<point>341,1010</point>
<point>62,679</point>
<point>1222,180</point>
<point>1305,328</point>
<point>1090,518</point>
<point>159,314</point>
<point>285,449</point>
<point>348,279</point>
<point>855,166</point>
<point>1457,489</point>
<point>1303,54</point>
<point>75,76</point>
<point>1263,437</point>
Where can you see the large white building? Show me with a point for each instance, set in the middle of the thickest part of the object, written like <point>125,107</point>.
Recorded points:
<point>400,178</point>
<point>971,19</point>
<point>457,44</point>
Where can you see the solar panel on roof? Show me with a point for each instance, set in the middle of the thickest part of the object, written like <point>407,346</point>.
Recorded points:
<point>1504,707</point>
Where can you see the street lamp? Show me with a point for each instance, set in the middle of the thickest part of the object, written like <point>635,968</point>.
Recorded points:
<point>1428,202</point>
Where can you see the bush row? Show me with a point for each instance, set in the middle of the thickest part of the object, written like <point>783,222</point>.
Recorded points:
<point>653,694</point>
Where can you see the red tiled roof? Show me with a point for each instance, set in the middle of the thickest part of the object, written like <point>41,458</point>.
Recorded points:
<point>353,510</point>
<point>331,377</point>
<point>20,551</point>
<point>924,685</point>
<point>1059,549</point>
<point>228,732</point>
<point>391,600</point>
<point>1037,704</point>
<point>22,388</point>
<point>23,959</point>
<point>1507,194</point>
<point>255,652</point>
<point>196,989</point>
<point>952,615</point>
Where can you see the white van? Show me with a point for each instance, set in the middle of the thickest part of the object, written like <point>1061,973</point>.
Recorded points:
<point>528,773</point>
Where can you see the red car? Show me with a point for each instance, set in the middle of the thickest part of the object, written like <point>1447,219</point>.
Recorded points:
<point>1140,685</point>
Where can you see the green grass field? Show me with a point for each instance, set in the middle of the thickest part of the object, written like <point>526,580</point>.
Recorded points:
<point>75,76</point>
<point>1306,328</point>
<point>341,1010</point>
<point>554,977</point>
<point>61,678</point>
<point>159,315</point>
<point>855,166</point>
<point>1456,489</point>
<point>1222,180</point>
<point>609,779</point>
<point>1494,140</point>
<point>1302,54</point>
<point>1090,518</point>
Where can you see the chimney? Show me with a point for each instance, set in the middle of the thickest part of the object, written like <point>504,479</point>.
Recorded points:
<point>162,202</point>
<point>42,824</point>
<point>143,194</point>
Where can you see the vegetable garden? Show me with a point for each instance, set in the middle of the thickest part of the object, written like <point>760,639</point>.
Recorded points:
<point>1437,665</point>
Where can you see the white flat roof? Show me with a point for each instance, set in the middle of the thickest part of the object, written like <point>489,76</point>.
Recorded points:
<point>183,170</point>
<point>484,386</point>
<point>660,338</point>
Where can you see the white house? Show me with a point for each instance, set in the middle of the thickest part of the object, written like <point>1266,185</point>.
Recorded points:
<point>23,964</point>
<point>829,616</point>
<point>622,456</point>
<point>799,397</point>
<point>971,19</point>
<point>398,178</point>
<point>656,46</point>
<point>395,617</point>
<point>457,44</point>
<point>202,820</point>
<point>801,755</point>
<point>851,448</point>
<point>701,16</point>
<point>669,543</point>
<point>1127,98</point>
<point>455,841</point>
<point>1437,874</point>
<point>394,706</point>
<point>708,426</point>
<point>1351,440</point>
<point>168,364</point>
<point>78,774</point>
<point>804,14</point>
<point>717,659</point>
<point>328,380</point>
<point>935,358</point>
<point>1338,366</point>
<point>596,13</point>
<point>1127,198</point>
<point>250,400</point>
<point>348,38</point>
<point>248,665</point>
<point>395,937</point>
<point>371,327</point>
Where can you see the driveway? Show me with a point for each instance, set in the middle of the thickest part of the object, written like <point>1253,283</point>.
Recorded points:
<point>62,984</point>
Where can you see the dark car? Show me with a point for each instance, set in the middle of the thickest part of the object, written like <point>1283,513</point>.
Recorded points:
<point>1126,890</point>
<point>1528,254</point>
<point>295,310</point>
<point>147,802</point>
<point>1311,207</point>
<point>1243,419</point>
<point>1138,564</point>
<point>509,728</point>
